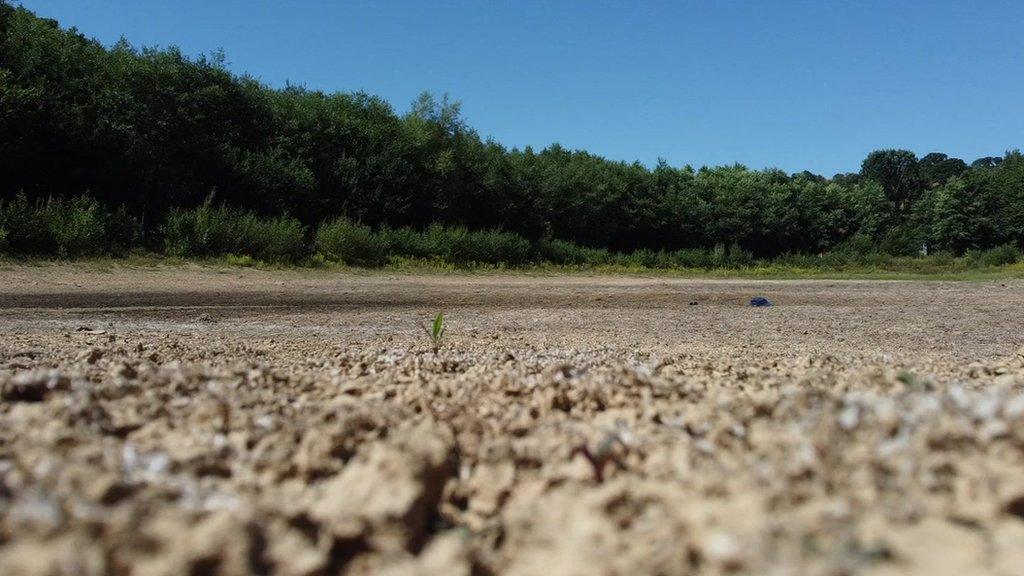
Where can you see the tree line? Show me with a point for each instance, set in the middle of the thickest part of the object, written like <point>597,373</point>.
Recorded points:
<point>149,133</point>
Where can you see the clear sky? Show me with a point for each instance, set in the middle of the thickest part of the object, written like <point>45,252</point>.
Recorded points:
<point>795,85</point>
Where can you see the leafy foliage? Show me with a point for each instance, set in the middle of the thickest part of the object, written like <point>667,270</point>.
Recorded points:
<point>897,171</point>
<point>216,230</point>
<point>148,133</point>
<point>77,226</point>
<point>342,240</point>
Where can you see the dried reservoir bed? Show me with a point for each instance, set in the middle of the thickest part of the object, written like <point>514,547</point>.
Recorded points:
<point>195,420</point>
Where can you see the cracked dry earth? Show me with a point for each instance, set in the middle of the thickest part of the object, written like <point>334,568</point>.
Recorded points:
<point>194,421</point>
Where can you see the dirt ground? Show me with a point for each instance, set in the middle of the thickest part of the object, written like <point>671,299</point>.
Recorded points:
<point>193,421</point>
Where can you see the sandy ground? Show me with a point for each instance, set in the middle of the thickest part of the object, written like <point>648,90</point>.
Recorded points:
<point>204,421</point>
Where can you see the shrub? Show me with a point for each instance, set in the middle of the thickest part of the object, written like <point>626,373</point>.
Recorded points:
<point>124,231</point>
<point>691,258</point>
<point>718,258</point>
<point>737,257</point>
<point>281,239</point>
<point>28,231</point>
<point>78,226</point>
<point>461,246</point>
<point>3,240</point>
<point>245,261</point>
<point>901,241</point>
<point>447,243</point>
<point>212,231</point>
<point>942,258</point>
<point>342,240</point>
<point>859,243</point>
<point>405,242</point>
<point>998,256</point>
<point>569,253</point>
<point>492,247</point>
<point>643,258</point>
<point>196,232</point>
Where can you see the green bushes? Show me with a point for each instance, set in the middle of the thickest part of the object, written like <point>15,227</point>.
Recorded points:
<point>342,240</point>
<point>570,254</point>
<point>567,253</point>
<point>690,258</point>
<point>76,227</point>
<point>694,258</point>
<point>406,242</point>
<point>209,230</point>
<point>123,231</point>
<point>81,226</point>
<point>998,256</point>
<point>463,247</point>
<point>27,227</point>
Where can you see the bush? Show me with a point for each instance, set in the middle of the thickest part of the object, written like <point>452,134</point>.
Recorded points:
<point>3,240</point>
<point>342,240</point>
<point>859,243</point>
<point>719,257</point>
<point>459,245</point>
<point>998,256</point>
<point>901,241</point>
<point>642,258</point>
<point>569,253</point>
<point>691,258</point>
<point>214,231</point>
<point>245,261</point>
<point>197,232</point>
<point>124,231</point>
<point>737,257</point>
<point>281,239</point>
<point>78,226</point>
<point>28,229</point>
<point>491,247</point>
<point>405,242</point>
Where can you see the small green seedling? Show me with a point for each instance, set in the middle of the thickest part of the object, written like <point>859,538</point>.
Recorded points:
<point>436,331</point>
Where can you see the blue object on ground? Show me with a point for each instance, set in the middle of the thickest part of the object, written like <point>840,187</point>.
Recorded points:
<point>759,301</point>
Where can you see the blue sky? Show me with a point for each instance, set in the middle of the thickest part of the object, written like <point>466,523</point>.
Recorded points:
<point>795,85</point>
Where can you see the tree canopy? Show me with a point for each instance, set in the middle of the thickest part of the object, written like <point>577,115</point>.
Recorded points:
<point>154,129</point>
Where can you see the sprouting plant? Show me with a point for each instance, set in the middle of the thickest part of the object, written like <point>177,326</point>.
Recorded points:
<point>436,331</point>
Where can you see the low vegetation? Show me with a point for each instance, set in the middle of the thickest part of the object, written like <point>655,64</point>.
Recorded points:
<point>435,332</point>
<point>78,226</point>
<point>210,230</point>
<point>82,227</point>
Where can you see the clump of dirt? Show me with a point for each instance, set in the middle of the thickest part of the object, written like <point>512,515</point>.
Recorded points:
<point>467,462</point>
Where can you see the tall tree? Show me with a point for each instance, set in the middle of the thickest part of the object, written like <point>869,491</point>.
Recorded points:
<point>898,173</point>
<point>937,168</point>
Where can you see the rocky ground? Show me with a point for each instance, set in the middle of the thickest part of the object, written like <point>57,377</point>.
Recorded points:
<point>193,421</point>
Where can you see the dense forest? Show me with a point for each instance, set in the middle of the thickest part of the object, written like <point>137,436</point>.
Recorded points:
<point>153,144</point>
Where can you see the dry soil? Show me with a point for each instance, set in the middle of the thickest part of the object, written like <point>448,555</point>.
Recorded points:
<point>192,421</point>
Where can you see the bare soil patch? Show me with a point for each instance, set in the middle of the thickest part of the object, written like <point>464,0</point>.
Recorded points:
<point>236,421</point>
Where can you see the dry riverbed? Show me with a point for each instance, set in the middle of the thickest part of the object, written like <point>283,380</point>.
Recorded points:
<point>192,421</point>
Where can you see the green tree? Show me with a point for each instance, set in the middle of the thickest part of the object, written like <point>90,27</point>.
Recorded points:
<point>937,168</point>
<point>898,173</point>
<point>958,217</point>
